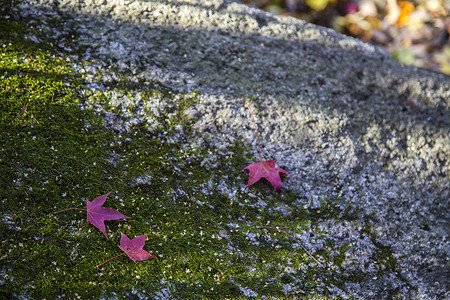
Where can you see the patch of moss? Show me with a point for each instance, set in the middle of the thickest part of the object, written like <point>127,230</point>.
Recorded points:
<point>212,239</point>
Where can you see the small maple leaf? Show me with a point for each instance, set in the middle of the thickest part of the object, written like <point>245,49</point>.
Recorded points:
<point>134,248</point>
<point>96,214</point>
<point>264,168</point>
<point>267,170</point>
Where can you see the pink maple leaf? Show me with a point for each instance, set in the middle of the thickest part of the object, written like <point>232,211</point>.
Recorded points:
<point>134,248</point>
<point>267,170</point>
<point>96,214</point>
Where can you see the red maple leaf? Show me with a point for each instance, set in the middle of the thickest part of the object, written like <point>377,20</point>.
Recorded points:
<point>96,214</point>
<point>134,248</point>
<point>267,170</point>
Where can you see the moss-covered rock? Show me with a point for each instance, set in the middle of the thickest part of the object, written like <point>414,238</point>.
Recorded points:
<point>145,99</point>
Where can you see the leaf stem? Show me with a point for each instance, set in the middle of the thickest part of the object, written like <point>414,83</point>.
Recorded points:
<point>256,129</point>
<point>69,209</point>
<point>111,259</point>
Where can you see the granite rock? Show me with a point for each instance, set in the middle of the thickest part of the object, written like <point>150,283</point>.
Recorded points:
<point>334,111</point>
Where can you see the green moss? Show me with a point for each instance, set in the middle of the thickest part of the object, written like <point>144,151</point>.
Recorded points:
<point>212,239</point>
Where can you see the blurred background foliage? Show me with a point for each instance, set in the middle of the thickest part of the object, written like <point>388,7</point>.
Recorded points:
<point>415,32</point>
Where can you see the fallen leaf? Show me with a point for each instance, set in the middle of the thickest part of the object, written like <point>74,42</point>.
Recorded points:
<point>267,170</point>
<point>134,248</point>
<point>406,8</point>
<point>96,214</point>
<point>317,4</point>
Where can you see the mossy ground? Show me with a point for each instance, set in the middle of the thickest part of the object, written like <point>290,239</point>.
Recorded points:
<point>211,238</point>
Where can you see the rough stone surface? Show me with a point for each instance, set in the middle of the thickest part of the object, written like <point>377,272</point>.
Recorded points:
<point>331,109</point>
